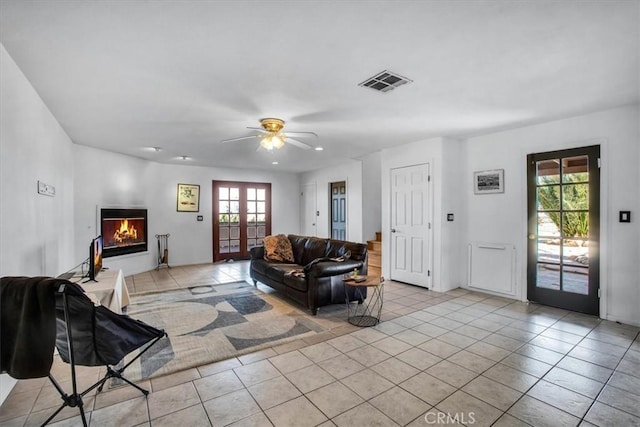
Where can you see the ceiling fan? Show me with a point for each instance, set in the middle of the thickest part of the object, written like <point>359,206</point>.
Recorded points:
<point>272,137</point>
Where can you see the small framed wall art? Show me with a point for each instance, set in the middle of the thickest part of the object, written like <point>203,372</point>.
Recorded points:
<point>488,182</point>
<point>188,198</point>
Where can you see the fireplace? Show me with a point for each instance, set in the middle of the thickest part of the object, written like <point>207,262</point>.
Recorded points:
<point>124,231</point>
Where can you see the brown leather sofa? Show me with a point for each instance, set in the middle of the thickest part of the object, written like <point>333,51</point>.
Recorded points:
<point>322,282</point>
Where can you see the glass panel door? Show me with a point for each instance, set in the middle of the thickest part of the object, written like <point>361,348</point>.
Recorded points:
<point>256,216</point>
<point>241,217</point>
<point>563,264</point>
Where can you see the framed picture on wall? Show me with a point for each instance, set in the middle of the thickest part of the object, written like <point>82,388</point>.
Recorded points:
<point>188,198</point>
<point>488,182</point>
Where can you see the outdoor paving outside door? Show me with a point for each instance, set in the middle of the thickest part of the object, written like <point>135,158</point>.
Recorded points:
<point>564,229</point>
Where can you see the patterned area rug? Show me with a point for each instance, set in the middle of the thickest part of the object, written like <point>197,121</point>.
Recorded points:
<point>211,323</point>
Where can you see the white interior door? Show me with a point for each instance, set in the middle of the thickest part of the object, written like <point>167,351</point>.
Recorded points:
<point>308,210</point>
<point>410,227</point>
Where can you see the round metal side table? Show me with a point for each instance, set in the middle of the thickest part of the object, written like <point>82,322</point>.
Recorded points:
<point>368,313</point>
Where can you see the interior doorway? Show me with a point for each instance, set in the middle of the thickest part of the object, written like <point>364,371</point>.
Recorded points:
<point>241,217</point>
<point>563,267</point>
<point>338,191</point>
<point>308,211</point>
<point>410,225</point>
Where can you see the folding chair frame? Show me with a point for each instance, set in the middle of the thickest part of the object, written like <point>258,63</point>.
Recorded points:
<point>75,399</point>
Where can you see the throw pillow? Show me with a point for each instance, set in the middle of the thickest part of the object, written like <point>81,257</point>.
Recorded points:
<point>278,248</point>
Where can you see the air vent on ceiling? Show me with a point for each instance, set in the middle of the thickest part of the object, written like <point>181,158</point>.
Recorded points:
<point>385,81</point>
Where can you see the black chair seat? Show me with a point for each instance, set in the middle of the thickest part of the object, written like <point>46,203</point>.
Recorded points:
<point>58,311</point>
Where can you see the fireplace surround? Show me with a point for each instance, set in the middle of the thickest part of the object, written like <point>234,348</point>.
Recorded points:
<point>124,231</point>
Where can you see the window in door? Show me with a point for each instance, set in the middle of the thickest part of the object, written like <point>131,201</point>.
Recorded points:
<point>241,218</point>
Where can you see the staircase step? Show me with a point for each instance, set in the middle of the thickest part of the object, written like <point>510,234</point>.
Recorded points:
<point>374,245</point>
<point>374,271</point>
<point>374,259</point>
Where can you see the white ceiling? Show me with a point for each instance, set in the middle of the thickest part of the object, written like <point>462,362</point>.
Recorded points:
<point>183,75</point>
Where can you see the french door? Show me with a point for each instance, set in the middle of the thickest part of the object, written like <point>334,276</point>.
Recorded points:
<point>241,217</point>
<point>564,229</point>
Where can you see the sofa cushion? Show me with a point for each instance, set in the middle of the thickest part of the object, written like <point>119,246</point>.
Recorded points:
<point>337,248</point>
<point>314,248</point>
<point>297,245</point>
<point>277,271</point>
<point>278,248</point>
<point>296,282</point>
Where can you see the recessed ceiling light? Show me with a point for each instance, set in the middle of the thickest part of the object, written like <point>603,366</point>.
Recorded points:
<point>319,148</point>
<point>183,158</point>
<point>274,163</point>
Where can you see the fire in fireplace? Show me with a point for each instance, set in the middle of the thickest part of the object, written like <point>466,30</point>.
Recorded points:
<point>124,231</point>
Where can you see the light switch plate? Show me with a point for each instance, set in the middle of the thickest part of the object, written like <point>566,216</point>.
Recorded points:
<point>625,216</point>
<point>46,189</point>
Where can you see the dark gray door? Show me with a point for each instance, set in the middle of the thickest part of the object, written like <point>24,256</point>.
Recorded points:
<point>564,229</point>
<point>339,210</point>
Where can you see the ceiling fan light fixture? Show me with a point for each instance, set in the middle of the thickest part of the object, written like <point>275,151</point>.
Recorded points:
<point>272,125</point>
<point>271,136</point>
<point>272,142</point>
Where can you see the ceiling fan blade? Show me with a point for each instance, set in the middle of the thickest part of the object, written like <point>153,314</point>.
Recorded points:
<point>258,129</point>
<point>239,139</point>
<point>301,134</point>
<point>298,144</point>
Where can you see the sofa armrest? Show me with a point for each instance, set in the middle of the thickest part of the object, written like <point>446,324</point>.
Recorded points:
<point>331,268</point>
<point>257,252</point>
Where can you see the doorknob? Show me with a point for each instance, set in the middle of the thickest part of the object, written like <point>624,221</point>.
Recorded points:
<point>393,230</point>
<point>532,236</point>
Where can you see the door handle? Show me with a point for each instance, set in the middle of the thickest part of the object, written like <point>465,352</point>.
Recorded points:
<point>532,236</point>
<point>393,230</point>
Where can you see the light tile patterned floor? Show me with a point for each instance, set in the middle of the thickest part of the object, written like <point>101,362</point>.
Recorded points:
<point>456,357</point>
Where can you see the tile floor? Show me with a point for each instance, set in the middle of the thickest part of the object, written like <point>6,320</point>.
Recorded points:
<point>458,358</point>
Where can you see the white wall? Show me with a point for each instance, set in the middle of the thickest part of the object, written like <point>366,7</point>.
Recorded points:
<point>371,195</point>
<point>36,231</point>
<point>503,218</point>
<point>105,179</point>
<point>454,253</point>
<point>351,172</point>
